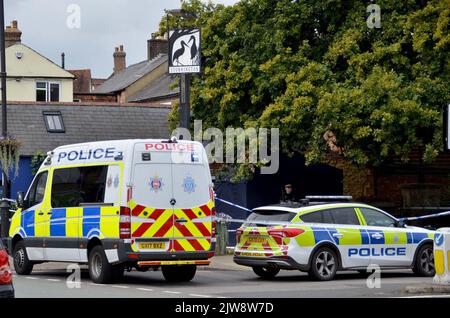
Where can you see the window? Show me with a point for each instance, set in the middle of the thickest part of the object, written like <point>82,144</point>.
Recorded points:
<point>345,216</point>
<point>74,186</point>
<point>318,217</point>
<point>54,122</point>
<point>37,190</point>
<point>376,218</point>
<point>41,92</point>
<point>93,184</point>
<point>47,92</point>
<point>269,215</point>
<point>66,188</point>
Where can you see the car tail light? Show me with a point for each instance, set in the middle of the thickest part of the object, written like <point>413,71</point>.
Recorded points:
<point>125,223</point>
<point>5,271</point>
<point>238,235</point>
<point>285,232</point>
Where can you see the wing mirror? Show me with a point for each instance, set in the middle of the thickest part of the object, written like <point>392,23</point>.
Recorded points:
<point>400,223</point>
<point>20,199</point>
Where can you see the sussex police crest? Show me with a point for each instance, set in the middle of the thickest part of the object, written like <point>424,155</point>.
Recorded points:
<point>156,184</point>
<point>189,185</point>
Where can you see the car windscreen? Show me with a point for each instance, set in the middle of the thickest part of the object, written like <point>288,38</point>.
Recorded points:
<point>269,216</point>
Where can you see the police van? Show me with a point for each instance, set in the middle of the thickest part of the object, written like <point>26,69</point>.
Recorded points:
<point>118,205</point>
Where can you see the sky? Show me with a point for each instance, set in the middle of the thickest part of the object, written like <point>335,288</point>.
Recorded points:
<point>89,39</point>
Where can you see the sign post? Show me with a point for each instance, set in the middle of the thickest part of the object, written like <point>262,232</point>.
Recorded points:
<point>184,59</point>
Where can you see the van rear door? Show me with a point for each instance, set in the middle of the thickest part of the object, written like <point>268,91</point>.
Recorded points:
<point>151,209</point>
<point>193,209</point>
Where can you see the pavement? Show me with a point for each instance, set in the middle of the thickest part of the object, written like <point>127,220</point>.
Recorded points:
<point>222,279</point>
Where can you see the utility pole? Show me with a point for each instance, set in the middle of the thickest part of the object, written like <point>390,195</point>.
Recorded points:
<point>5,184</point>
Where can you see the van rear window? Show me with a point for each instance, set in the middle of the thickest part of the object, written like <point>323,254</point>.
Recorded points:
<point>269,215</point>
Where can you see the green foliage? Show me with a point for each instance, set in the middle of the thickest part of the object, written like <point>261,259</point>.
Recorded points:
<point>9,155</point>
<point>314,67</point>
<point>36,161</point>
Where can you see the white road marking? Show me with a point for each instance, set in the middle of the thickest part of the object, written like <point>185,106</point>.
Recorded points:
<point>427,296</point>
<point>198,295</point>
<point>33,278</point>
<point>119,286</point>
<point>171,292</point>
<point>145,289</point>
<point>53,280</point>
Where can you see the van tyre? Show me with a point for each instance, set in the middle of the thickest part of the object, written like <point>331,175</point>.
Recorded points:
<point>183,273</point>
<point>324,264</point>
<point>424,262</point>
<point>22,264</point>
<point>266,272</point>
<point>100,270</point>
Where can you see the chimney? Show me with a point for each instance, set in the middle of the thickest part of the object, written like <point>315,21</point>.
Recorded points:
<point>63,60</point>
<point>119,59</point>
<point>12,34</point>
<point>156,46</point>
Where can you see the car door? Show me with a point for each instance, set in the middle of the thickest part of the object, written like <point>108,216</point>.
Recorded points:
<point>341,226</point>
<point>33,220</point>
<point>389,243</point>
<point>353,240</point>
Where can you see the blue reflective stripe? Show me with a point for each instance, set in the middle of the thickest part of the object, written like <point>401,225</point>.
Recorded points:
<point>58,222</point>
<point>409,237</point>
<point>27,222</point>
<point>91,219</point>
<point>375,240</point>
<point>365,240</point>
<point>418,237</point>
<point>324,234</point>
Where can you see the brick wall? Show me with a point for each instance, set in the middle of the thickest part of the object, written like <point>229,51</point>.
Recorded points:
<point>95,98</point>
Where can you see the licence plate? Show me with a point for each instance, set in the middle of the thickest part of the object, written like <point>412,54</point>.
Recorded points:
<point>257,240</point>
<point>152,246</point>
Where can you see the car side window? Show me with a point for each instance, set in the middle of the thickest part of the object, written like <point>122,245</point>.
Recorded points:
<point>37,190</point>
<point>376,218</point>
<point>323,216</point>
<point>346,216</point>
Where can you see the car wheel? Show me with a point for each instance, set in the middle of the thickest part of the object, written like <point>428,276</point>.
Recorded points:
<point>22,265</point>
<point>266,272</point>
<point>100,270</point>
<point>424,264</point>
<point>324,264</point>
<point>183,273</point>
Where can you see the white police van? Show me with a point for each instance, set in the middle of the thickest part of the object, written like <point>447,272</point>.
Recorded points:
<point>118,205</point>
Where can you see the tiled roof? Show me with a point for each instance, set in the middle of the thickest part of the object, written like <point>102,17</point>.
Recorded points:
<point>130,75</point>
<point>158,89</point>
<point>84,123</point>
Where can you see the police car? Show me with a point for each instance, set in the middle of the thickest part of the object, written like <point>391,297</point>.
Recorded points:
<point>323,237</point>
<point>116,205</point>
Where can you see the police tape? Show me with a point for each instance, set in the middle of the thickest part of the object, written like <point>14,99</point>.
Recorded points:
<point>428,216</point>
<point>233,204</point>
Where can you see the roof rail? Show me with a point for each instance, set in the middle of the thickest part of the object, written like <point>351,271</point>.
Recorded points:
<point>329,198</point>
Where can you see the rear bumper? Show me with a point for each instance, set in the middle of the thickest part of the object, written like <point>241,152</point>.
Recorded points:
<point>127,255</point>
<point>281,262</point>
<point>6,291</point>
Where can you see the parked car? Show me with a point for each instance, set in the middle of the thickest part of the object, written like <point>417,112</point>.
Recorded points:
<point>6,286</point>
<point>322,237</point>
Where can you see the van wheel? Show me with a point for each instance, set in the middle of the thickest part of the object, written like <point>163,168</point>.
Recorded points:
<point>100,270</point>
<point>324,264</point>
<point>266,272</point>
<point>424,264</point>
<point>22,265</point>
<point>183,273</point>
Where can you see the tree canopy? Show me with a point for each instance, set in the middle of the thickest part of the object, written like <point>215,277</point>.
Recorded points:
<point>316,71</point>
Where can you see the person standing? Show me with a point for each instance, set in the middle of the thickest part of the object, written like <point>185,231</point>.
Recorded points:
<point>288,194</point>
